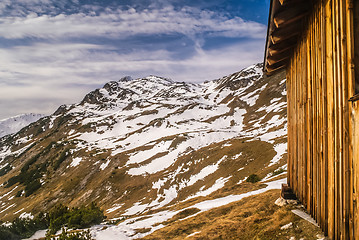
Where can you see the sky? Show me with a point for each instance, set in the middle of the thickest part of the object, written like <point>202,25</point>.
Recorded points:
<point>53,52</point>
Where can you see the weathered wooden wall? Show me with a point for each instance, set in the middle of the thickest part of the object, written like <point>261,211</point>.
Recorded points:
<point>323,126</point>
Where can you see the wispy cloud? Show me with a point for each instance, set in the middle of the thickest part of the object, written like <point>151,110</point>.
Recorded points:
<point>121,23</point>
<point>57,55</point>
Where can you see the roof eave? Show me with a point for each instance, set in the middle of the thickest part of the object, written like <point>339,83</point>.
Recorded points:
<point>285,23</point>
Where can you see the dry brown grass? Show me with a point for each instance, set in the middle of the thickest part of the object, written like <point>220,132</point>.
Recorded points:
<point>183,214</point>
<point>255,217</point>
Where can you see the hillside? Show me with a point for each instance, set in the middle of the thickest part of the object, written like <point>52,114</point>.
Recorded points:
<point>146,149</point>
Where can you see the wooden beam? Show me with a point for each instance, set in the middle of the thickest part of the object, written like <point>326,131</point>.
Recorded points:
<point>277,38</point>
<point>273,52</point>
<point>272,72</point>
<point>277,51</point>
<point>285,33</point>
<point>282,46</point>
<point>291,13</point>
<point>285,2</point>
<point>278,57</point>
<point>283,18</point>
<point>270,69</point>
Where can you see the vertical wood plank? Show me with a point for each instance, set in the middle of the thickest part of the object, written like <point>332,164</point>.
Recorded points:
<point>323,130</point>
<point>324,104</point>
<point>330,113</point>
<point>351,91</point>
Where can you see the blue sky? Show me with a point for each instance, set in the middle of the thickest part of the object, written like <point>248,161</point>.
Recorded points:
<point>52,52</point>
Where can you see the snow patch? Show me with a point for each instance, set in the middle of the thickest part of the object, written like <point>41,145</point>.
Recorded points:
<point>209,204</point>
<point>159,183</point>
<point>114,208</point>
<point>75,162</point>
<point>206,171</point>
<point>26,215</point>
<point>216,186</point>
<point>281,149</point>
<point>40,234</point>
<point>12,205</point>
<point>104,165</point>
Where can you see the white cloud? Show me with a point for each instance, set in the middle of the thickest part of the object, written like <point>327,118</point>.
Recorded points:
<point>67,63</point>
<point>121,23</point>
<point>75,65</point>
<point>57,64</point>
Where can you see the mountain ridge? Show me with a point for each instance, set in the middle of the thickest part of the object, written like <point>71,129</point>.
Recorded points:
<point>144,146</point>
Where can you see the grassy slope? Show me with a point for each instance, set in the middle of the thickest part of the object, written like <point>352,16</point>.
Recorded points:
<point>255,217</point>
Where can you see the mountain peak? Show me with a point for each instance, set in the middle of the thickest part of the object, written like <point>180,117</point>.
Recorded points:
<point>125,79</point>
<point>242,78</point>
<point>157,78</point>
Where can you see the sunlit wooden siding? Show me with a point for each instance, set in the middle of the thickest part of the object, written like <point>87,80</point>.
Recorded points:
<point>317,41</point>
<point>323,126</point>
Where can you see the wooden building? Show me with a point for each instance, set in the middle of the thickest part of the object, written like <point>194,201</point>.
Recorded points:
<point>317,42</point>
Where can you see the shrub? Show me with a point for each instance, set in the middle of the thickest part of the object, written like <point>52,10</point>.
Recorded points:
<point>29,163</point>
<point>75,220</point>
<point>30,178</point>
<point>19,193</point>
<point>82,217</point>
<point>65,235</point>
<point>5,233</point>
<point>278,171</point>
<point>91,215</point>
<point>12,181</point>
<point>32,187</point>
<point>59,217</point>
<point>60,159</point>
<point>25,228</point>
<point>58,211</point>
<point>30,173</point>
<point>21,227</point>
<point>253,178</point>
<point>56,224</point>
<point>5,170</point>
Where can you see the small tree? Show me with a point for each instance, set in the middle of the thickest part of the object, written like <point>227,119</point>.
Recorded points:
<point>253,178</point>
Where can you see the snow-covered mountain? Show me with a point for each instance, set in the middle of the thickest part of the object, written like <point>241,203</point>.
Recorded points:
<point>14,124</point>
<point>146,148</point>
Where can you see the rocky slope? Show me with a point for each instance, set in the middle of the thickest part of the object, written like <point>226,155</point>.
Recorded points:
<point>148,148</point>
<point>14,124</point>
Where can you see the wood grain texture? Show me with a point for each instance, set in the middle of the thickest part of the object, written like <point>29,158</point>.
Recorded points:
<point>323,126</point>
